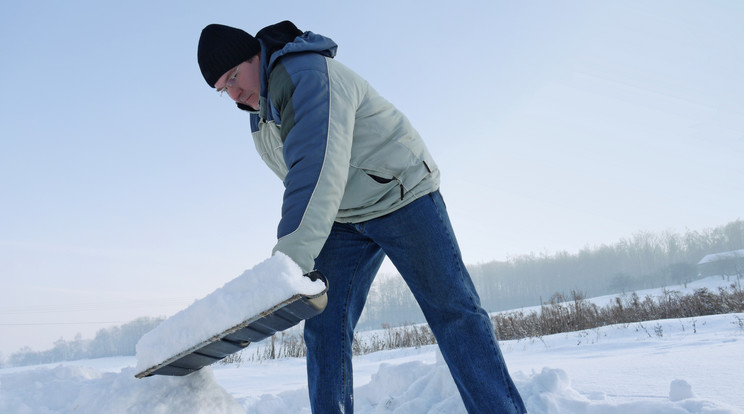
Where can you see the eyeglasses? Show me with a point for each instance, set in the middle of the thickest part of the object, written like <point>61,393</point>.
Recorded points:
<point>230,81</point>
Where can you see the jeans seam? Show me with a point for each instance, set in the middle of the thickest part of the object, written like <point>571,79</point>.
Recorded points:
<point>486,321</point>
<point>451,237</point>
<point>346,321</point>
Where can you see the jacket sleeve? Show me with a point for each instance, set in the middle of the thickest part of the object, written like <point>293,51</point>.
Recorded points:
<point>317,111</point>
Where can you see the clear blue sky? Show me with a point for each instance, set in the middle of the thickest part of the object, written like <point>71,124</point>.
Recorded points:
<point>129,188</point>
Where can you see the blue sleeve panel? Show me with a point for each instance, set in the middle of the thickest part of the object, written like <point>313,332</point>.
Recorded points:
<point>300,94</point>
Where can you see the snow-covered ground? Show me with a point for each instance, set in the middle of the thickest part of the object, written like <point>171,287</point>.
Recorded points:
<point>693,365</point>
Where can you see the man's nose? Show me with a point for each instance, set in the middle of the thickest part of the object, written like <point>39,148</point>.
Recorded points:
<point>234,93</point>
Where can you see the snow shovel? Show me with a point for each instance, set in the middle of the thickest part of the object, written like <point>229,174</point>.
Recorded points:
<point>303,302</point>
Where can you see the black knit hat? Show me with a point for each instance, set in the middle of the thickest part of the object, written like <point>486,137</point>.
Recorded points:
<point>221,48</point>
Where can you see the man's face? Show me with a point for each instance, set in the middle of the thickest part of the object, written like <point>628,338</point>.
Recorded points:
<point>242,83</point>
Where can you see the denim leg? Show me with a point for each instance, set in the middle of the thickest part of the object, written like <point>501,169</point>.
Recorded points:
<point>421,244</point>
<point>350,261</point>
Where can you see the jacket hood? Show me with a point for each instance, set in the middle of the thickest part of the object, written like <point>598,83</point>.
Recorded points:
<point>282,39</point>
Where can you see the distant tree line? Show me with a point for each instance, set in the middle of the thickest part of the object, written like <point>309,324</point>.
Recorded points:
<point>115,341</point>
<point>645,260</point>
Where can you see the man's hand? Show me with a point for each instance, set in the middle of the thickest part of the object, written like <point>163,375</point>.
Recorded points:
<point>315,275</point>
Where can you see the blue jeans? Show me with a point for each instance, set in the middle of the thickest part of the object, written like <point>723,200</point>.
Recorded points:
<point>419,240</point>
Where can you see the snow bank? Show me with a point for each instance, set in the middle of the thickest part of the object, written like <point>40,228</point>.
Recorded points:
<point>408,388</point>
<point>416,387</point>
<point>264,286</point>
<point>420,388</point>
<point>413,387</point>
<point>68,389</point>
<point>550,392</point>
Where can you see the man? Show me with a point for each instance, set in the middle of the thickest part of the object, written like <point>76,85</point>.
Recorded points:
<point>359,184</point>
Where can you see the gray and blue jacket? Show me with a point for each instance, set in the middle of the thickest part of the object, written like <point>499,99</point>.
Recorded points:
<point>343,152</point>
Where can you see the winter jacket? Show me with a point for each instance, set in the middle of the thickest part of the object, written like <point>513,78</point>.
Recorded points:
<point>343,152</point>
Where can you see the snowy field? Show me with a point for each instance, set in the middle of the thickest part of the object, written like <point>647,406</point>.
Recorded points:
<point>693,365</point>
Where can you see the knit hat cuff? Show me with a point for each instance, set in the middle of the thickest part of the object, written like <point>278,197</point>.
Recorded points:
<point>221,48</point>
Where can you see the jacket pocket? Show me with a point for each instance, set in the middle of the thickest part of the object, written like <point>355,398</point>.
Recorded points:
<point>364,189</point>
<point>379,179</point>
